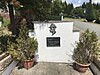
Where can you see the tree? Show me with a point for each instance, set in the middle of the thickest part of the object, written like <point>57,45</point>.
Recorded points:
<point>69,9</point>
<point>97,6</point>
<point>90,14</point>
<point>31,10</point>
<point>98,16</point>
<point>38,9</point>
<point>65,7</point>
<point>42,8</point>
<point>3,6</point>
<point>56,7</point>
<point>84,5</point>
<point>10,5</point>
<point>78,12</point>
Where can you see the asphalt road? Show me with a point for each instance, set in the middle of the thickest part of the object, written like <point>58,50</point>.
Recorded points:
<point>84,25</point>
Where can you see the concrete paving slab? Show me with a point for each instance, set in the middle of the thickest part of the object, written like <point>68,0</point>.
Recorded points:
<point>43,68</point>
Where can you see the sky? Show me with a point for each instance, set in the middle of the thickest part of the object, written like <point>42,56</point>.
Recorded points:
<point>80,2</point>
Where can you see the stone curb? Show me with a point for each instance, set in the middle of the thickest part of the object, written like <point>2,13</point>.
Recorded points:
<point>9,69</point>
<point>94,69</point>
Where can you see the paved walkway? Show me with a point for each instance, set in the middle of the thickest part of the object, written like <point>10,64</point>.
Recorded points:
<point>49,69</point>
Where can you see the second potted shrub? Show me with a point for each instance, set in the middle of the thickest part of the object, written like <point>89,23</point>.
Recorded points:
<point>86,49</point>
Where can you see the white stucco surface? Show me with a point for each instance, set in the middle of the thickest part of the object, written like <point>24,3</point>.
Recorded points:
<point>62,53</point>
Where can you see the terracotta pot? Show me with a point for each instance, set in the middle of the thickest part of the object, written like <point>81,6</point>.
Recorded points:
<point>81,67</point>
<point>28,64</point>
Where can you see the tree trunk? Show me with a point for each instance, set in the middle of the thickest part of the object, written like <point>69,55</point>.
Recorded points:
<point>12,26</point>
<point>11,13</point>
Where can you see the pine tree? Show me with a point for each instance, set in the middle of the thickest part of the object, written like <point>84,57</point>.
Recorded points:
<point>56,7</point>
<point>84,5</point>
<point>90,14</point>
<point>69,9</point>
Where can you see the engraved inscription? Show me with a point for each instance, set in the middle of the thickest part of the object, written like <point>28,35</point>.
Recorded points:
<point>53,41</point>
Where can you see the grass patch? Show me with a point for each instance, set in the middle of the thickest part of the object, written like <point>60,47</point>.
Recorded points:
<point>72,19</point>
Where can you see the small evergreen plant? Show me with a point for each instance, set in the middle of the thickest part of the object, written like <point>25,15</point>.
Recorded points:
<point>24,47</point>
<point>86,48</point>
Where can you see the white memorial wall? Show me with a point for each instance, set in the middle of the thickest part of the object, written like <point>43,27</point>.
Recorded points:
<point>56,41</point>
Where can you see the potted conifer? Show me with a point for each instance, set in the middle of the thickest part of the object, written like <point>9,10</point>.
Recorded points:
<point>86,49</point>
<point>24,47</point>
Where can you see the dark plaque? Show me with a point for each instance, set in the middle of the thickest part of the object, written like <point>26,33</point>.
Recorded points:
<point>53,41</point>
